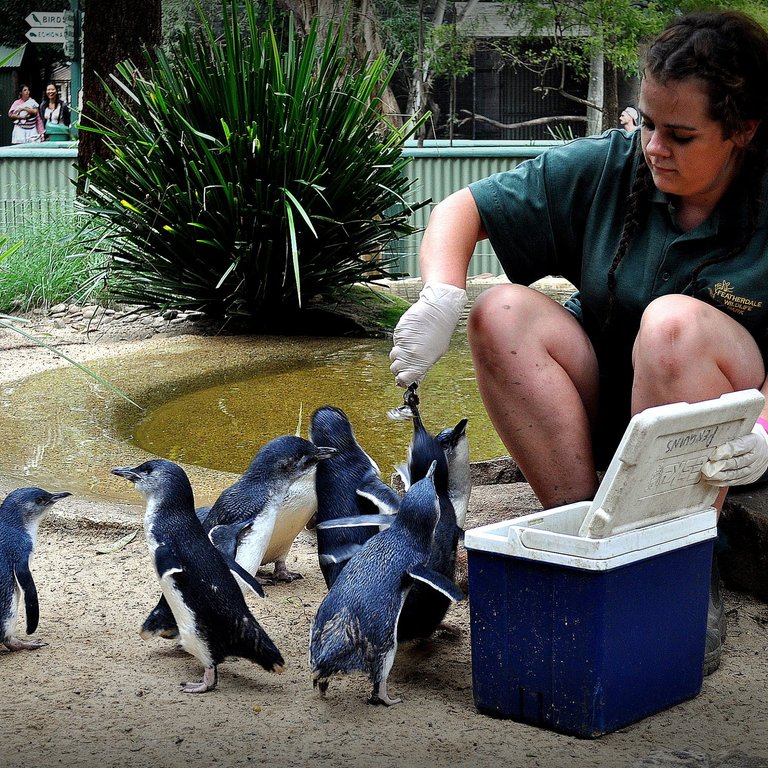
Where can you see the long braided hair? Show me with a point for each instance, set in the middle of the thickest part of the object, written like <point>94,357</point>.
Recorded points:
<point>726,52</point>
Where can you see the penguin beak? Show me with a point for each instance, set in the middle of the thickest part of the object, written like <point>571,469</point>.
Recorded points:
<point>325,452</point>
<point>129,473</point>
<point>58,496</point>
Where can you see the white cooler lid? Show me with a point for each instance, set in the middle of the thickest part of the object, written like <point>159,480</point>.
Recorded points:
<point>655,474</point>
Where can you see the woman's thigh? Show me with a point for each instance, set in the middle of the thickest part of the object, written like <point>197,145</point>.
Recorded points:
<point>519,333</point>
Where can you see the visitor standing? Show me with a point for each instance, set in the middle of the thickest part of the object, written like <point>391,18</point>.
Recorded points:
<point>629,119</point>
<point>25,114</point>
<point>55,114</point>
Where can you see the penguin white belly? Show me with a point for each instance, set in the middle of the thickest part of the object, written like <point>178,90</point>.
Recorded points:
<point>189,634</point>
<point>12,619</point>
<point>253,543</point>
<point>460,501</point>
<point>298,506</point>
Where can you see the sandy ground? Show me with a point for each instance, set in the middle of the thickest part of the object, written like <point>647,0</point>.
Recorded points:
<point>99,695</point>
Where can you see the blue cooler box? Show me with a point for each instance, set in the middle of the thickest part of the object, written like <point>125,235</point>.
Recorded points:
<point>591,616</point>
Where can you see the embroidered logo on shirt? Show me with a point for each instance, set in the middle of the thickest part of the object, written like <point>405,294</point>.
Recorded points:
<point>723,294</point>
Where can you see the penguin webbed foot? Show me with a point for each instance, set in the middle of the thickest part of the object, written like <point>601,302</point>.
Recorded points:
<point>167,633</point>
<point>208,683</point>
<point>450,630</point>
<point>321,684</point>
<point>380,696</point>
<point>281,573</point>
<point>14,644</point>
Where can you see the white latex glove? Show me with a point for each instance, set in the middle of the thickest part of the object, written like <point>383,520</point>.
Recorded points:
<point>424,332</point>
<point>740,461</point>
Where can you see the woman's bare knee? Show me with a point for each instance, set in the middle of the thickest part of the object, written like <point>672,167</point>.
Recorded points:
<point>502,306</point>
<point>688,350</point>
<point>671,333</point>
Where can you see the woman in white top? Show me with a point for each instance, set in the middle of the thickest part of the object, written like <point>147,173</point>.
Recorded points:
<point>25,113</point>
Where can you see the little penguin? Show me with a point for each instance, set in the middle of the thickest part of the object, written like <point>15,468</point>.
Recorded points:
<point>20,516</point>
<point>355,628</point>
<point>425,608</point>
<point>197,581</point>
<point>256,519</point>
<point>275,498</point>
<point>349,484</point>
<point>455,445</point>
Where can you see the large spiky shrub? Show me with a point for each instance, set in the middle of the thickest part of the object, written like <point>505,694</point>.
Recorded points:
<point>247,172</point>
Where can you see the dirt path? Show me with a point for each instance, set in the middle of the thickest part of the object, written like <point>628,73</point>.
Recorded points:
<point>98,695</point>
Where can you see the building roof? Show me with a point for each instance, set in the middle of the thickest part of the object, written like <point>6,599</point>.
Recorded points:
<point>10,58</point>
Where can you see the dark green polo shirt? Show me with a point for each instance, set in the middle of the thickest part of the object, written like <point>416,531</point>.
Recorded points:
<point>562,213</point>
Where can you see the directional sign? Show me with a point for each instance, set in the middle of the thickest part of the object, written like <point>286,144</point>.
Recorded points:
<point>47,18</point>
<point>45,34</point>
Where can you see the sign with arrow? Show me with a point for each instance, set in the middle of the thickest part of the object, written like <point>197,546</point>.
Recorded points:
<point>45,34</point>
<point>50,26</point>
<point>47,18</point>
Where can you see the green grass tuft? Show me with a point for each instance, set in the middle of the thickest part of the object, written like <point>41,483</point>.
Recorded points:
<point>46,265</point>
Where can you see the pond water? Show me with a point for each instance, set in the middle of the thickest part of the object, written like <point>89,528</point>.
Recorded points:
<point>222,426</point>
<point>210,403</point>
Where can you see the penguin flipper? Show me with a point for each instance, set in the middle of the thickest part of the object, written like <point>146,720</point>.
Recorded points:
<point>339,554</point>
<point>382,496</point>
<point>224,537</point>
<point>166,561</point>
<point>31,605</point>
<point>356,521</point>
<point>436,581</point>
<point>237,570</point>
<point>168,564</point>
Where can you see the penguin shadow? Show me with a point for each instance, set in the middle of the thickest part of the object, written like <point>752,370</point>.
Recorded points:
<point>170,650</point>
<point>236,676</point>
<point>423,671</point>
<point>439,664</point>
<point>240,679</point>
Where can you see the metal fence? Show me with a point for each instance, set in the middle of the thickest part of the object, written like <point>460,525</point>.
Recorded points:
<point>37,182</point>
<point>440,167</point>
<point>19,218</point>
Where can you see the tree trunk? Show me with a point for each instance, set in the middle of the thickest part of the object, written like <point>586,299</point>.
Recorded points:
<point>419,98</point>
<point>361,33</point>
<point>595,94</point>
<point>113,31</point>
<point>610,96</point>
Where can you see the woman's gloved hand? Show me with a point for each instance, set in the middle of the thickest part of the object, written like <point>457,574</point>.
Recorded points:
<point>424,332</point>
<point>739,462</point>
